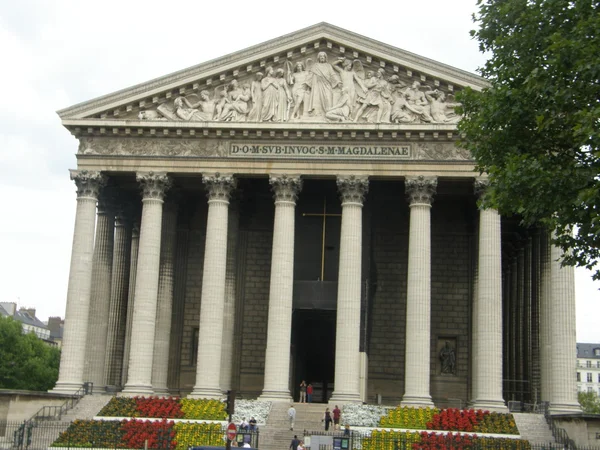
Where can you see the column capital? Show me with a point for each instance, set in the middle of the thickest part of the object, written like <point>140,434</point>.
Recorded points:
<point>285,187</point>
<point>219,186</point>
<point>480,185</point>
<point>89,183</point>
<point>352,189</point>
<point>420,189</point>
<point>154,184</point>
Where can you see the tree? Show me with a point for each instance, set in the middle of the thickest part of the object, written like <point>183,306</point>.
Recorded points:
<point>589,401</point>
<point>536,129</point>
<point>27,362</point>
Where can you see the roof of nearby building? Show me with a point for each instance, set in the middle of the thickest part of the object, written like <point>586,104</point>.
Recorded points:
<point>587,351</point>
<point>24,317</point>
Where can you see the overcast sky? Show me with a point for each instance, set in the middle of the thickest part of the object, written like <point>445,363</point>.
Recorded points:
<point>59,53</point>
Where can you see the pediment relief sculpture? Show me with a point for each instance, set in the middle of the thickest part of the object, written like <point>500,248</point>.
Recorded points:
<point>313,89</point>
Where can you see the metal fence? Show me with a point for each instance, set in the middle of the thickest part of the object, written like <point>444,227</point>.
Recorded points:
<point>41,434</point>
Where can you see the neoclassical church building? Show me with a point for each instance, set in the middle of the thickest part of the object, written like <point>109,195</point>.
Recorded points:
<point>300,210</point>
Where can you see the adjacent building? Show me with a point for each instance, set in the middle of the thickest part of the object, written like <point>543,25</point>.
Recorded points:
<point>588,368</point>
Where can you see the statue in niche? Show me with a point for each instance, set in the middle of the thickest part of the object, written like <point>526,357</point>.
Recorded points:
<point>322,80</point>
<point>352,75</point>
<point>341,111</point>
<point>448,359</point>
<point>378,99</point>
<point>235,106</point>
<point>270,95</point>
<point>417,102</point>
<point>205,107</point>
<point>256,97</point>
<point>284,97</point>
<point>441,110</point>
<point>297,79</point>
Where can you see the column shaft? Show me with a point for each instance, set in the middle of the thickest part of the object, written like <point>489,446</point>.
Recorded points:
<point>418,307</point>
<point>70,377</point>
<point>208,370</point>
<point>135,244</point>
<point>347,361</point>
<point>277,357</point>
<point>139,380</point>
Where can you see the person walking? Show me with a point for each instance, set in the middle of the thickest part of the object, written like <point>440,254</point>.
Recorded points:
<point>336,417</point>
<point>292,418</point>
<point>303,392</point>
<point>327,419</point>
<point>295,443</point>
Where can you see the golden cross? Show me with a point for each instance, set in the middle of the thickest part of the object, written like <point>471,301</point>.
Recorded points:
<point>324,214</point>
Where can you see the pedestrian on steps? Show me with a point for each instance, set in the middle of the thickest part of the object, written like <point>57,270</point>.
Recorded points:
<point>295,443</point>
<point>292,417</point>
<point>327,419</point>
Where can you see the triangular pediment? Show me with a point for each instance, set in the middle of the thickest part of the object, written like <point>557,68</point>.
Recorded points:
<point>321,74</point>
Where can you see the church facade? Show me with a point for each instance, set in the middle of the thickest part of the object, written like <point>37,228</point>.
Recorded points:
<point>300,210</point>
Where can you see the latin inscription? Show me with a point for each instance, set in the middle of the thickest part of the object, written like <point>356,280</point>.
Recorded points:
<point>351,151</point>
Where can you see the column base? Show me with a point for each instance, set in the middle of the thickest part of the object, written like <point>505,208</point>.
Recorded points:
<point>202,392</point>
<point>490,405</point>
<point>276,396</point>
<point>344,397</point>
<point>161,391</point>
<point>132,390</point>
<point>418,402</point>
<point>66,387</point>
<point>564,408</point>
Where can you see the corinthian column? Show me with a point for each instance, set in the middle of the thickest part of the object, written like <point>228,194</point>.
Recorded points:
<point>118,300</point>
<point>72,358</point>
<point>347,340</point>
<point>135,244</point>
<point>563,342</point>
<point>487,313</point>
<point>277,358</point>
<point>160,365</point>
<point>139,381</point>
<point>100,296</point>
<point>420,192</point>
<point>208,370</point>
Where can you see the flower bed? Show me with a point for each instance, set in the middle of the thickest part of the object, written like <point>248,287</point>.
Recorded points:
<point>133,433</point>
<point>392,440</point>
<point>166,408</point>
<point>468,420</point>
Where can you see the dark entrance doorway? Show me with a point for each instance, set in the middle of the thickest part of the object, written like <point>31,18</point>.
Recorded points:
<point>313,343</point>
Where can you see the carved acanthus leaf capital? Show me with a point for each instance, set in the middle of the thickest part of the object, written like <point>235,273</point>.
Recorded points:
<point>353,189</point>
<point>480,185</point>
<point>154,185</point>
<point>420,189</point>
<point>219,186</point>
<point>89,183</point>
<point>285,187</point>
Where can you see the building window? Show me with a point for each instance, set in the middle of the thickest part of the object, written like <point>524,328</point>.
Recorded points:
<point>598,364</point>
<point>589,377</point>
<point>597,352</point>
<point>599,378</point>
<point>578,376</point>
<point>588,364</point>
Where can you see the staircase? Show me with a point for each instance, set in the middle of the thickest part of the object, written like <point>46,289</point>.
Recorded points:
<point>535,429</point>
<point>276,434</point>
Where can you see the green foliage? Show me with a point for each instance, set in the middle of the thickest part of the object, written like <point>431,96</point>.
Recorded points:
<point>589,401</point>
<point>27,362</point>
<point>536,129</point>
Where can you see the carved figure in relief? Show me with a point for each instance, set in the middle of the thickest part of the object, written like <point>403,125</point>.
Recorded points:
<point>441,110</point>
<point>284,98</point>
<point>297,79</point>
<point>341,111</point>
<point>150,115</point>
<point>205,106</point>
<point>270,95</point>
<point>236,103</point>
<point>256,96</point>
<point>351,74</point>
<point>417,103</point>
<point>322,80</point>
<point>379,97</point>
<point>184,112</point>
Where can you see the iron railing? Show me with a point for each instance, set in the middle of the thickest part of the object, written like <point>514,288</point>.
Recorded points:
<point>57,412</point>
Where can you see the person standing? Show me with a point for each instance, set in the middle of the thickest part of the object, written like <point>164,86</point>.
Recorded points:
<point>327,419</point>
<point>309,393</point>
<point>292,418</point>
<point>303,392</point>
<point>336,417</point>
<point>295,442</point>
